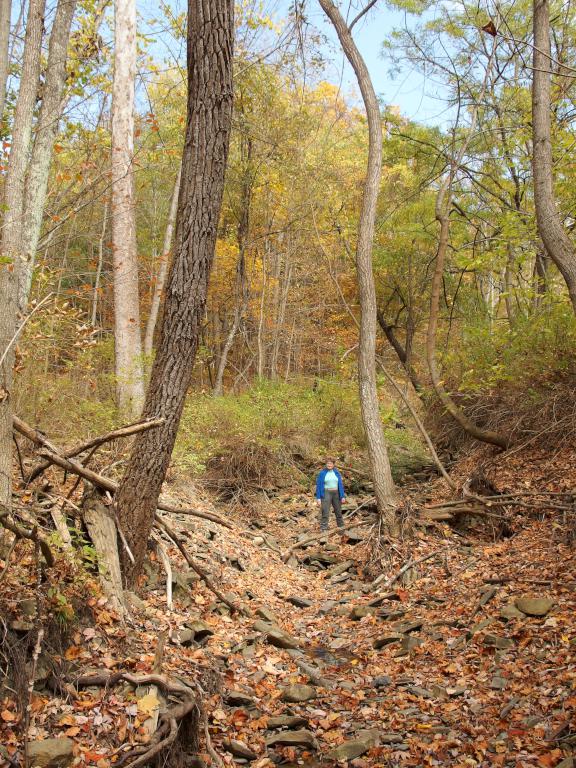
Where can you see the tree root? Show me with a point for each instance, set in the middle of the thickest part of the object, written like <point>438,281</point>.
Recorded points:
<point>168,722</point>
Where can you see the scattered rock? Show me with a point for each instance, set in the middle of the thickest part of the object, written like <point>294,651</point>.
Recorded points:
<point>200,628</point>
<point>286,721</point>
<point>298,692</point>
<point>534,606</point>
<point>267,614</point>
<point>238,699</point>
<point>382,681</point>
<point>509,611</point>
<point>276,636</point>
<point>351,749</point>
<point>385,640</point>
<point>50,753</point>
<point>185,637</point>
<point>409,626</point>
<point>340,568</point>
<point>135,602</point>
<point>300,602</point>
<point>301,738</point>
<point>360,611</point>
<point>239,749</point>
<point>498,683</point>
<point>494,641</point>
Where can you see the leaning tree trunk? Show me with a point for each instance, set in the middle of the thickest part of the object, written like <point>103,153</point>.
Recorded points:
<point>557,242</point>
<point>11,250</point>
<point>209,117</point>
<point>127,340</point>
<point>384,490</point>
<point>50,111</point>
<point>162,269</point>
<point>5,13</point>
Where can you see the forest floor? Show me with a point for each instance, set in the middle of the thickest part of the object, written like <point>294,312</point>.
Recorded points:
<point>466,659</point>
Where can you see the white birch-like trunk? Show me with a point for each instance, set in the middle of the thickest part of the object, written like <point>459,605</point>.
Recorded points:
<point>162,269</point>
<point>11,249</point>
<point>5,13</point>
<point>47,128</point>
<point>128,344</point>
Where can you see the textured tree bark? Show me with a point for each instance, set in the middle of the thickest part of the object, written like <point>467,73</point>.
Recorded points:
<point>162,269</point>
<point>209,116</point>
<point>557,242</point>
<point>11,249</point>
<point>127,340</point>
<point>45,134</point>
<point>384,489</point>
<point>5,14</point>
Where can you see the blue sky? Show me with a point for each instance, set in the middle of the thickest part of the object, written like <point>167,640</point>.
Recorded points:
<point>416,96</point>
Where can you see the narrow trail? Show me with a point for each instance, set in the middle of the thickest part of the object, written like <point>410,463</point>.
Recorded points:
<point>468,660</point>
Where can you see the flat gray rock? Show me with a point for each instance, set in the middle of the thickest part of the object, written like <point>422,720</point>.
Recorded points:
<point>286,721</point>
<point>276,636</point>
<point>239,749</point>
<point>301,738</point>
<point>298,692</point>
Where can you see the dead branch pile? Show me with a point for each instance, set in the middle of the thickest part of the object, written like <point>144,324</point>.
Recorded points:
<point>546,417</point>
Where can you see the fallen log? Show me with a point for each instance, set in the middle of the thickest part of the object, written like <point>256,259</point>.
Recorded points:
<point>55,456</point>
<point>96,442</point>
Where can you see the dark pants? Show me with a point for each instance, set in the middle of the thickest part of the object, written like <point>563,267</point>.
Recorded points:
<point>331,499</point>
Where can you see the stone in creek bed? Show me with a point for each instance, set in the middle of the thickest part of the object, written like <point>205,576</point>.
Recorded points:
<point>534,606</point>
<point>239,749</point>
<point>301,738</point>
<point>300,602</point>
<point>298,692</point>
<point>286,721</point>
<point>276,636</point>
<point>238,699</point>
<point>381,642</point>
<point>502,643</point>
<point>51,753</point>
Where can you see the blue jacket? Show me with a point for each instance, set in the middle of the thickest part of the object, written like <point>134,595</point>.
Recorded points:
<point>320,483</point>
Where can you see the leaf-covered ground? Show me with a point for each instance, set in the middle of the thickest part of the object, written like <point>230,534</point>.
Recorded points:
<point>461,674</point>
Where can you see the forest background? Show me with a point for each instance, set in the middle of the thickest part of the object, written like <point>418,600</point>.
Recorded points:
<point>275,373</point>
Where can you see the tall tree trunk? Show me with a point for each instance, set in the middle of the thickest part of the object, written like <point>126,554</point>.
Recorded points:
<point>50,111</point>
<point>384,490</point>
<point>127,340</point>
<point>557,242</point>
<point>5,14</point>
<point>162,269</point>
<point>209,117</point>
<point>242,231</point>
<point>11,270</point>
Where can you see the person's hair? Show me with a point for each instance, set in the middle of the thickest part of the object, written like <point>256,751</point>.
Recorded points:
<point>330,460</point>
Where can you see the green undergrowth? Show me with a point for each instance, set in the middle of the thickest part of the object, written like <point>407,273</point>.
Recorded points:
<point>287,427</point>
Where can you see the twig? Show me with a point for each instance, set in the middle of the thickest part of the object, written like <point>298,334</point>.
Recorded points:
<point>167,569</point>
<point>197,569</point>
<point>402,571</point>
